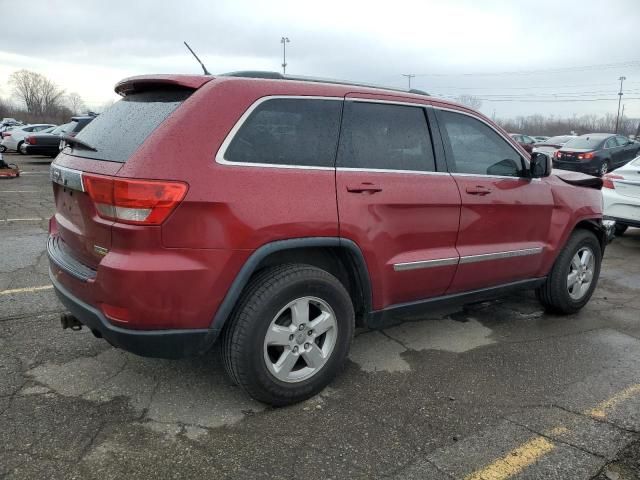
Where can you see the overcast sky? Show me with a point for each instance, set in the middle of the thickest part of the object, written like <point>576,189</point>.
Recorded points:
<point>515,55</point>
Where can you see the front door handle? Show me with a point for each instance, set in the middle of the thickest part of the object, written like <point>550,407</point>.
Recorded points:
<point>364,187</point>
<point>478,190</point>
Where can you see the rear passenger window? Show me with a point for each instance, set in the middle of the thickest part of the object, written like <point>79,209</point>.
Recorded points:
<point>383,136</point>
<point>289,132</point>
<point>475,148</point>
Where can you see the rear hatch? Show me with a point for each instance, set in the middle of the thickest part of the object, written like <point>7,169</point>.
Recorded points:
<point>84,174</point>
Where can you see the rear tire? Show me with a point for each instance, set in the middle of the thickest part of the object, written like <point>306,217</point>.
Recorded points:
<point>274,345</point>
<point>573,277</point>
<point>3,149</point>
<point>18,148</point>
<point>620,229</point>
<point>604,168</point>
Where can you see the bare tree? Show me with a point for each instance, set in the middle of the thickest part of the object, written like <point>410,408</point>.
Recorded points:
<point>470,101</point>
<point>75,103</point>
<point>40,95</point>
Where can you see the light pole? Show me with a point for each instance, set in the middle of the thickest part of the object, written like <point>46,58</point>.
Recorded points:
<point>409,77</point>
<point>622,79</point>
<point>284,41</point>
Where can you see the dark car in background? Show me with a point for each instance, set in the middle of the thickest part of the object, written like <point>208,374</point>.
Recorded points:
<point>525,141</point>
<point>48,144</point>
<point>596,153</point>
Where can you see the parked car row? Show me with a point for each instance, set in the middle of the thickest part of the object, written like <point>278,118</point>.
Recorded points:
<point>595,153</point>
<point>48,143</point>
<point>39,138</point>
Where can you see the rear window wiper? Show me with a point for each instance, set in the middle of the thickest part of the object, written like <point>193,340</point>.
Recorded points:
<point>76,141</point>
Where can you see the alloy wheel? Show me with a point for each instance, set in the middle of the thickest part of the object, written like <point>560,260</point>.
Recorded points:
<point>300,339</point>
<point>580,273</point>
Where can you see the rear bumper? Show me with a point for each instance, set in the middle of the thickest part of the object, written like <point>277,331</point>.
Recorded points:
<point>591,167</point>
<point>147,343</point>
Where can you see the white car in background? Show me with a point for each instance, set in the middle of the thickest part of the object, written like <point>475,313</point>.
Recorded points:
<point>551,145</point>
<point>15,137</point>
<point>621,194</point>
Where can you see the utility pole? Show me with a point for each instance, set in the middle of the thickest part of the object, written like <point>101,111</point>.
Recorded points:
<point>284,41</point>
<point>622,119</point>
<point>409,77</point>
<point>622,79</point>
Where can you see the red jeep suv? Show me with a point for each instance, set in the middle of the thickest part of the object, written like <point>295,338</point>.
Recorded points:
<point>277,213</point>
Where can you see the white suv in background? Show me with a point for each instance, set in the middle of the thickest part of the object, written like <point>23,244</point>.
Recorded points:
<point>621,194</point>
<point>14,138</point>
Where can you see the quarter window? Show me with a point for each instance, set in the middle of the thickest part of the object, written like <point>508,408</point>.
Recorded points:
<point>475,148</point>
<point>289,131</point>
<point>383,136</point>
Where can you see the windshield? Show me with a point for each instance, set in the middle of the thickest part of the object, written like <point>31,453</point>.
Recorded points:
<point>585,142</point>
<point>61,129</point>
<point>121,129</point>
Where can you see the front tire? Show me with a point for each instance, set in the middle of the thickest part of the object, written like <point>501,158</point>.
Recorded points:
<point>574,275</point>
<point>289,335</point>
<point>18,149</point>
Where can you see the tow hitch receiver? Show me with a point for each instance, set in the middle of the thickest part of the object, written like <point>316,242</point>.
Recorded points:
<point>69,321</point>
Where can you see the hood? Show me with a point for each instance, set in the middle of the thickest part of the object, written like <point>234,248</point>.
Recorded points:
<point>578,179</point>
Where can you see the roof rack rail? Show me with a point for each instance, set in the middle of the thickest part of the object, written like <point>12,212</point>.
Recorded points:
<point>301,78</point>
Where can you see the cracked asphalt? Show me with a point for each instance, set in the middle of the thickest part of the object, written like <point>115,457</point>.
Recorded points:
<point>491,391</point>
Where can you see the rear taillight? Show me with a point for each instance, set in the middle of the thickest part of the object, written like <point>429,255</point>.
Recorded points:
<point>607,180</point>
<point>137,202</point>
<point>557,154</point>
<point>586,156</point>
<point>4,135</point>
<point>30,140</point>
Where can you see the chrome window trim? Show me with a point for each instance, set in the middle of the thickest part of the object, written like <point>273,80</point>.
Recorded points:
<point>483,257</point>
<point>389,102</point>
<point>506,138</point>
<point>388,170</point>
<point>438,262</point>
<point>499,255</point>
<point>219,158</point>
<point>484,175</point>
<point>67,177</point>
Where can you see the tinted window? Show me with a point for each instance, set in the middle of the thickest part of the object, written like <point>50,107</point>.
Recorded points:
<point>610,143</point>
<point>122,128</point>
<point>622,140</point>
<point>289,132</point>
<point>584,141</point>
<point>392,137</point>
<point>478,149</point>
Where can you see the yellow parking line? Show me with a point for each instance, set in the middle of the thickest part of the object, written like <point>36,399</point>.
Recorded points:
<point>514,461</point>
<point>600,411</point>
<point>528,453</point>
<point>26,290</point>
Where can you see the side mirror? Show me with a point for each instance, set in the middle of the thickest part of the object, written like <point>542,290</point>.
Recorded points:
<point>540,165</point>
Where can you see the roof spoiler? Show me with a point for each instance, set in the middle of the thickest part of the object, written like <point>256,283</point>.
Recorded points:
<point>148,82</point>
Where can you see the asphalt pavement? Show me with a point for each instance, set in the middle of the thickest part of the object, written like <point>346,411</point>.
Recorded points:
<point>492,391</point>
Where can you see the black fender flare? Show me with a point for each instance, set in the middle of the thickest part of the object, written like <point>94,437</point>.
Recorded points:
<point>242,278</point>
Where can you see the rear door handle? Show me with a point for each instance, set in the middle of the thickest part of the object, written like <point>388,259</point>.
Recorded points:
<point>364,187</point>
<point>478,190</point>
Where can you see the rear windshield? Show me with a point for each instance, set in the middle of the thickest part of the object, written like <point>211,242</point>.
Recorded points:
<point>120,130</point>
<point>558,140</point>
<point>585,142</point>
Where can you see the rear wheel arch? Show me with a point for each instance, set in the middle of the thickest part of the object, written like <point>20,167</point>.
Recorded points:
<point>340,257</point>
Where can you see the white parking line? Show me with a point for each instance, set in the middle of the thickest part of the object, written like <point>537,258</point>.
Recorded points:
<point>35,219</point>
<point>26,290</point>
<point>18,191</point>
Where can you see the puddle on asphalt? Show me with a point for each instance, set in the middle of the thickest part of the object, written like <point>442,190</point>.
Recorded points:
<point>381,351</point>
